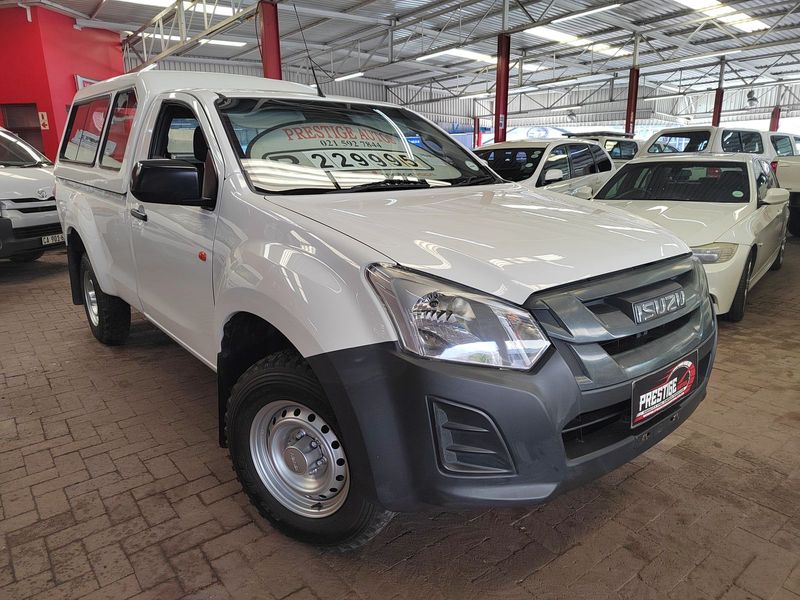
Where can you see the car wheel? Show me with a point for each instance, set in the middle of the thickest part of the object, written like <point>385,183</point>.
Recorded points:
<point>109,317</point>
<point>27,256</point>
<point>736,313</point>
<point>779,259</point>
<point>794,221</point>
<point>291,460</point>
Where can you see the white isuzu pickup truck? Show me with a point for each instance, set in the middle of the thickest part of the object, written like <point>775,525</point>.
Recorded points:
<point>392,325</point>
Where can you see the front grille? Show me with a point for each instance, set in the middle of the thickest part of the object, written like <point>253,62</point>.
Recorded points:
<point>22,233</point>
<point>29,200</point>
<point>35,209</point>
<point>591,323</point>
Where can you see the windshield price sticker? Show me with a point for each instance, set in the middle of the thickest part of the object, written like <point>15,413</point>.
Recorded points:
<point>361,159</point>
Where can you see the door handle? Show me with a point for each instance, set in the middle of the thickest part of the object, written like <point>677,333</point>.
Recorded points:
<point>138,214</point>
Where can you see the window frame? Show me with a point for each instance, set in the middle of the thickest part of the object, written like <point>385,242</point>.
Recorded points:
<point>109,118</point>
<point>592,165</point>
<point>540,182</point>
<point>596,150</point>
<point>741,149</point>
<point>72,113</point>
<point>772,139</point>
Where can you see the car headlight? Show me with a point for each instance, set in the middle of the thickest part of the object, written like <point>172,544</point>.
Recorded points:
<point>717,252</point>
<point>439,320</point>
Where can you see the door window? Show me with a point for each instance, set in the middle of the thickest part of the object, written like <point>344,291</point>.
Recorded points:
<point>601,160</point>
<point>581,159</point>
<point>621,149</point>
<point>119,130</point>
<point>84,130</point>
<point>557,159</point>
<point>783,145</point>
<point>742,141</point>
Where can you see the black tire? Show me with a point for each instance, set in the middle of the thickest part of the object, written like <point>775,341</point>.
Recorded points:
<point>27,256</point>
<point>279,377</point>
<point>794,221</point>
<point>736,313</point>
<point>112,324</point>
<point>778,262</point>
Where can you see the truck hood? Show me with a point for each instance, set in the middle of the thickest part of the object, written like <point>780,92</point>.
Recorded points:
<point>696,223</point>
<point>17,182</point>
<point>502,240</point>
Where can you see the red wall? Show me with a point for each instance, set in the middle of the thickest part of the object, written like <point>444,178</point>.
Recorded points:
<point>40,60</point>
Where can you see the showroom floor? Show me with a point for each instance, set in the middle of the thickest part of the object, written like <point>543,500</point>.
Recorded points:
<point>111,480</point>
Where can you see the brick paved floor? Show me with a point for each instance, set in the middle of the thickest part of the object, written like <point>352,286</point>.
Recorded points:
<point>112,485</point>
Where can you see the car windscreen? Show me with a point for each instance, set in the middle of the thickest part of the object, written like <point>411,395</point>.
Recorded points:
<point>513,164</point>
<point>684,141</point>
<point>684,181</point>
<point>16,153</point>
<point>318,146</point>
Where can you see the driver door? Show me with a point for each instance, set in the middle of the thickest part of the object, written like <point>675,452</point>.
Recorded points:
<point>173,245</point>
<point>770,223</point>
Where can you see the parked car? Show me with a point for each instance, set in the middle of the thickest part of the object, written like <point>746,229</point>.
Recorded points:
<point>556,165</point>
<point>392,326</point>
<point>727,207</point>
<point>788,174</point>
<point>620,147</point>
<point>767,144</point>
<point>28,218</point>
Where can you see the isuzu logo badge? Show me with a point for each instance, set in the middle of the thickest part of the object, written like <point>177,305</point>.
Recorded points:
<point>647,310</point>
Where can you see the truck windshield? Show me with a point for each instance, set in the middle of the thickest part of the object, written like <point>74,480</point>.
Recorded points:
<point>514,164</point>
<point>16,153</point>
<point>317,146</point>
<point>685,181</point>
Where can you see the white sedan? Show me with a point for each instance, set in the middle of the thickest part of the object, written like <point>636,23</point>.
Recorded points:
<point>727,207</point>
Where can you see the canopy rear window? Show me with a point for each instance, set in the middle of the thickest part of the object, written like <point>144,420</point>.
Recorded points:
<point>684,141</point>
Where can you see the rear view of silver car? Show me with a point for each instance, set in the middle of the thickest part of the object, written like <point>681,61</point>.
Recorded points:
<point>28,219</point>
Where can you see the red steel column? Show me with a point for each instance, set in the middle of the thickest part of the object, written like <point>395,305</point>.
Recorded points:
<point>633,89</point>
<point>270,40</point>
<point>775,118</point>
<point>716,114</point>
<point>501,87</point>
<point>476,132</point>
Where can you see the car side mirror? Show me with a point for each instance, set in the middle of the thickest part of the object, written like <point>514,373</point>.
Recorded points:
<point>585,192</point>
<point>776,196</point>
<point>553,175</point>
<point>167,181</point>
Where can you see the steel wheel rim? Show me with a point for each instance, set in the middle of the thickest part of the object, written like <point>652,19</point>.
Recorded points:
<point>90,299</point>
<point>310,480</point>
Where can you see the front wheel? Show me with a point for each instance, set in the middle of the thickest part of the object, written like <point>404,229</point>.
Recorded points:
<point>291,460</point>
<point>736,313</point>
<point>109,317</point>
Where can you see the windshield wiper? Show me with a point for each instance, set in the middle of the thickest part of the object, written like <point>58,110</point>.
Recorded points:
<point>477,180</point>
<point>387,184</point>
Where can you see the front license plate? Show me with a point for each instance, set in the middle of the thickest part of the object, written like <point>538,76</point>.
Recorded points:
<point>659,390</point>
<point>48,240</point>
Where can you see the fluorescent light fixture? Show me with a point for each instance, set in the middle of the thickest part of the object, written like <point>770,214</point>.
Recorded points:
<point>475,96</point>
<point>209,8</point>
<point>725,14</point>
<point>558,83</point>
<point>531,67</point>
<point>522,90</point>
<point>585,13</point>
<point>158,36</point>
<point>667,97</point>
<point>664,86</point>
<point>223,43</point>
<point>349,76</point>
<point>554,35</point>
<point>462,53</point>
<point>148,68</point>
<point>709,55</point>
<point>573,107</point>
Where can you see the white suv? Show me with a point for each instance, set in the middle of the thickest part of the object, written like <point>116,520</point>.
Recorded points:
<point>719,140</point>
<point>392,326</point>
<point>556,165</point>
<point>28,218</point>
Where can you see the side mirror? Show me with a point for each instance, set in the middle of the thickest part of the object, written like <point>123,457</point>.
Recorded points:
<point>553,175</point>
<point>585,192</point>
<point>776,196</point>
<point>167,181</point>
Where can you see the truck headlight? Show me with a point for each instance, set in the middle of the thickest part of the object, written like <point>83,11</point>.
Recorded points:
<point>717,252</point>
<point>435,319</point>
